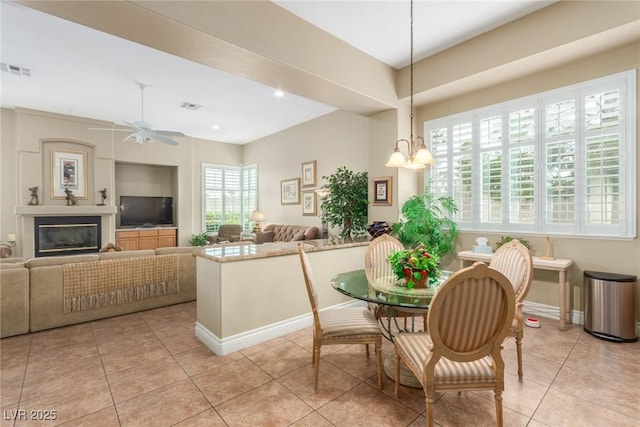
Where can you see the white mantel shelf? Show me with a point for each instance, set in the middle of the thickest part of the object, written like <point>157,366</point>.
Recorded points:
<point>65,210</point>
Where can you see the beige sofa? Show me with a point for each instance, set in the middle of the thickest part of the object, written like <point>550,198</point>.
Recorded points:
<point>14,297</point>
<point>287,233</point>
<point>47,295</point>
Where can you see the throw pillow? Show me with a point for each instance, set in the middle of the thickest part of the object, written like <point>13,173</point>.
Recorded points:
<point>298,236</point>
<point>263,237</point>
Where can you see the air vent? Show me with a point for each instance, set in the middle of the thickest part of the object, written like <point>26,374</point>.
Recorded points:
<point>14,69</point>
<point>190,106</point>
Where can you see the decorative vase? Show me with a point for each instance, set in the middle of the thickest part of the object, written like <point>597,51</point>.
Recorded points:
<point>412,282</point>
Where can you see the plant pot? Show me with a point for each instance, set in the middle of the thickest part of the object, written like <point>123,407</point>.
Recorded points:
<point>413,283</point>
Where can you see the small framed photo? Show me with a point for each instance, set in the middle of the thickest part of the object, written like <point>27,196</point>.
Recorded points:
<point>309,201</point>
<point>68,171</point>
<point>382,191</point>
<point>290,191</point>
<point>309,174</point>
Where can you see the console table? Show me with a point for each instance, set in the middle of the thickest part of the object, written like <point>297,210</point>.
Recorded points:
<point>556,264</point>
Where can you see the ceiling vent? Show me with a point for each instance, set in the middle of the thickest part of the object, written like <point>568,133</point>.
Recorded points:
<point>190,106</point>
<point>14,69</point>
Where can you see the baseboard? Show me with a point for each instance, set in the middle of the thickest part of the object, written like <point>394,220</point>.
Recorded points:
<point>247,339</point>
<point>551,312</point>
<point>238,342</point>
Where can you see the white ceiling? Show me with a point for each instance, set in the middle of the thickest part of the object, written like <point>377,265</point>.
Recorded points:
<point>79,71</point>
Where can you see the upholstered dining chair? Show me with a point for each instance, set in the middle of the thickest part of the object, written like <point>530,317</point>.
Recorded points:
<point>468,319</point>
<point>377,266</point>
<point>339,326</point>
<point>513,260</point>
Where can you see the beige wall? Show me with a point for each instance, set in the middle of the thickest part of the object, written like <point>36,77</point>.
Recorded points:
<point>610,255</point>
<point>336,139</point>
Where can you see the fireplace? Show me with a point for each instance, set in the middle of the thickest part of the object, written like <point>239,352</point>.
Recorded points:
<point>67,235</point>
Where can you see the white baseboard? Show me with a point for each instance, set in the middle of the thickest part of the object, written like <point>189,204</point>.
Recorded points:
<point>552,312</point>
<point>247,339</point>
<point>228,345</point>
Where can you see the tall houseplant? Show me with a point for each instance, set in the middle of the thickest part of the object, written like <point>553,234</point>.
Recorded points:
<point>426,220</point>
<point>346,202</point>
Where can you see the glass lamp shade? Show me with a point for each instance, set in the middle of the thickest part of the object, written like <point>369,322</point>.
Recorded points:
<point>396,160</point>
<point>423,156</point>
<point>257,216</point>
<point>413,164</point>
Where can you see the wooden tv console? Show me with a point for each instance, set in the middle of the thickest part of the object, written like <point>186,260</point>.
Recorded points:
<point>146,238</point>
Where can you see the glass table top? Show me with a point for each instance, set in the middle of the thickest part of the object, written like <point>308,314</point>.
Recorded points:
<point>386,290</point>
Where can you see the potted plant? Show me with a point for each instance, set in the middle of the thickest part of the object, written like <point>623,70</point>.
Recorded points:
<point>507,239</point>
<point>346,202</point>
<point>415,266</point>
<point>199,239</point>
<point>427,219</point>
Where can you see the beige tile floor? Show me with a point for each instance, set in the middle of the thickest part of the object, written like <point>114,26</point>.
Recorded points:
<point>148,369</point>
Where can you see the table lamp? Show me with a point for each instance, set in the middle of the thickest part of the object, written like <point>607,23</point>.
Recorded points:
<point>256,217</point>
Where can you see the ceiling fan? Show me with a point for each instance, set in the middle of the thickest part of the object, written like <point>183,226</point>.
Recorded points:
<point>143,131</point>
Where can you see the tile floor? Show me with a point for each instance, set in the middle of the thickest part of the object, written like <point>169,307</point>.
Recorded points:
<point>148,369</point>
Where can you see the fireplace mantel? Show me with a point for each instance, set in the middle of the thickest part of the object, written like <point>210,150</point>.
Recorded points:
<point>65,210</point>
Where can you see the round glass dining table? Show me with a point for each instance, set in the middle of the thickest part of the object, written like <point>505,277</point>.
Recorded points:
<point>392,298</point>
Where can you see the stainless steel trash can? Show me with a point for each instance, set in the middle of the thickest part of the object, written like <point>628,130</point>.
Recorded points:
<point>610,306</point>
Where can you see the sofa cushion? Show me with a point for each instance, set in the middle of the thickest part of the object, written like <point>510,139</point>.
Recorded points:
<point>264,237</point>
<point>286,233</point>
<point>14,299</point>
<point>59,260</point>
<point>298,236</point>
<point>127,254</point>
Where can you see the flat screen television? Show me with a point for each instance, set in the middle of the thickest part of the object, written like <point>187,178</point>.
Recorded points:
<point>146,211</point>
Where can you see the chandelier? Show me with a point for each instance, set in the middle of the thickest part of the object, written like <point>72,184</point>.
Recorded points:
<point>418,156</point>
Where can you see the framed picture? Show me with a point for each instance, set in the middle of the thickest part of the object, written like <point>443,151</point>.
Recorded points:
<point>309,201</point>
<point>382,191</point>
<point>309,174</point>
<point>68,170</point>
<point>290,191</point>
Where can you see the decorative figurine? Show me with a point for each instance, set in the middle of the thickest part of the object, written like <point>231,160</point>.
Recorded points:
<point>71,199</point>
<point>34,196</point>
<point>103,196</point>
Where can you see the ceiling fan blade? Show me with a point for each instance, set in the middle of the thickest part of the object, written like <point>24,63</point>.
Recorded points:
<point>168,133</point>
<point>164,139</point>
<point>112,129</point>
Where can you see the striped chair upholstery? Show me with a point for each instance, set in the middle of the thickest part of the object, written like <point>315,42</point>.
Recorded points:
<point>513,260</point>
<point>468,319</point>
<point>340,326</point>
<point>376,266</point>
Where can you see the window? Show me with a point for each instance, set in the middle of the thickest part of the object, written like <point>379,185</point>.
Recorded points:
<point>230,194</point>
<point>560,162</point>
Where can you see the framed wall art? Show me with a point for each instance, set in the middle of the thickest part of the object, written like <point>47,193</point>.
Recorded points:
<point>290,191</point>
<point>309,174</point>
<point>68,170</point>
<point>309,203</point>
<point>382,191</point>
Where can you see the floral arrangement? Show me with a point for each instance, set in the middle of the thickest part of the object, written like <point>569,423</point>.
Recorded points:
<point>414,264</point>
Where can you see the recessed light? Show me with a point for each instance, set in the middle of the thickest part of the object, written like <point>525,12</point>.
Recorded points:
<point>278,93</point>
<point>215,127</point>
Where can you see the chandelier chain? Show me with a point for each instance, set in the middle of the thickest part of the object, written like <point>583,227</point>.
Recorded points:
<point>411,75</point>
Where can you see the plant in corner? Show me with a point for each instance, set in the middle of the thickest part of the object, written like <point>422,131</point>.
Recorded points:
<point>346,204</point>
<point>199,239</point>
<point>426,220</point>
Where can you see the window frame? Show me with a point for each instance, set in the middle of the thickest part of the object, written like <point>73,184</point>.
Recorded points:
<point>246,206</point>
<point>625,82</point>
